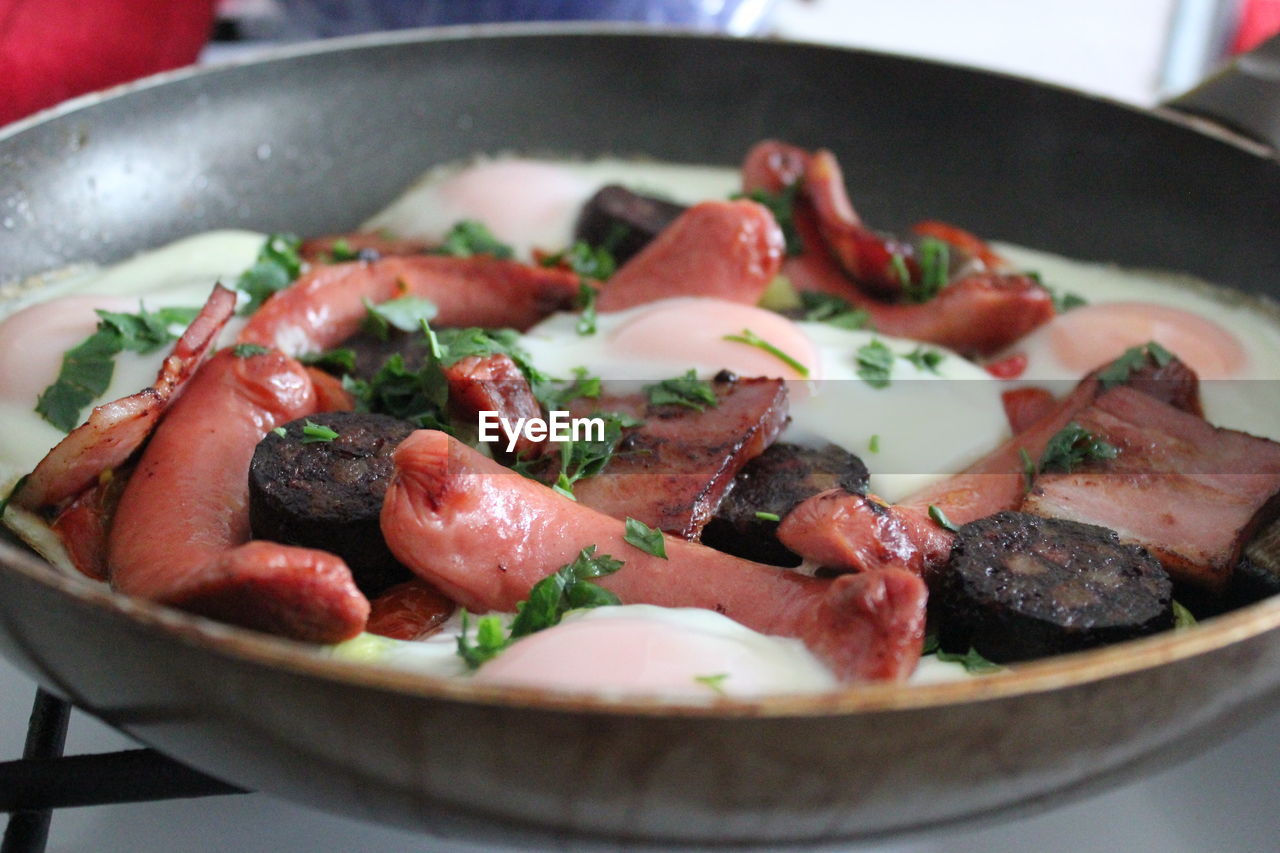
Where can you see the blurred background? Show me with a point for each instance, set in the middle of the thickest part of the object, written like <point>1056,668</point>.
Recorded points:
<point>1138,51</point>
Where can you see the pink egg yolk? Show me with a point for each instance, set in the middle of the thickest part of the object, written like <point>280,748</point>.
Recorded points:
<point>1090,336</point>
<point>694,331</point>
<point>513,197</point>
<point>660,658</point>
<point>33,340</point>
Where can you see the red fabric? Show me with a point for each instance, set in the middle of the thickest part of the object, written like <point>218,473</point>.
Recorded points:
<point>1259,20</point>
<point>51,50</point>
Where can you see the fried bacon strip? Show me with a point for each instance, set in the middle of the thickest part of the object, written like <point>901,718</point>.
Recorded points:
<point>979,312</point>
<point>859,533</point>
<point>485,535</point>
<point>115,430</point>
<point>1190,493</point>
<point>181,531</point>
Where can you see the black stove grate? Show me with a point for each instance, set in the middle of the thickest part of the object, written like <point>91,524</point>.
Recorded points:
<point>44,779</point>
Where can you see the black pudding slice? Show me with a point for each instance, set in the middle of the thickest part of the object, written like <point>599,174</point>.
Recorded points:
<point>1019,586</point>
<point>623,221</point>
<point>774,483</point>
<point>327,494</point>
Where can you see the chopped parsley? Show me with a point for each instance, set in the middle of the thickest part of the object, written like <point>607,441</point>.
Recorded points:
<point>898,264</point>
<point>832,310</point>
<point>925,359</point>
<point>715,682</point>
<point>1073,446</point>
<point>940,518</point>
<point>313,433</point>
<point>587,321</point>
<point>405,313</point>
<point>491,639</point>
<point>645,538</point>
<point>570,588</point>
<point>875,362</point>
<point>687,390</point>
<point>589,458</point>
<point>750,338</point>
<point>972,662</point>
<point>583,385</point>
<point>1064,300</point>
<point>281,431</point>
<point>1134,358</point>
<point>934,257</point>
<point>1028,467</point>
<point>249,350</point>
<point>87,367</point>
<point>277,265</point>
<point>341,251</point>
<point>469,237</point>
<point>586,260</point>
<point>418,396</point>
<point>768,516</point>
<point>874,444</point>
<point>340,360</point>
<point>1182,617</point>
<point>782,205</point>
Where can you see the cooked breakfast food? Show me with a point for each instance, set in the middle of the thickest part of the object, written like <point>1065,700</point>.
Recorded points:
<point>641,428</point>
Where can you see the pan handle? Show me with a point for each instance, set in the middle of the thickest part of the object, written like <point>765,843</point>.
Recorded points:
<point>1243,97</point>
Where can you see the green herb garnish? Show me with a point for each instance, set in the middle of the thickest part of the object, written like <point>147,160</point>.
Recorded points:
<point>341,251</point>
<point>1134,358</point>
<point>1028,467</point>
<point>1072,446</point>
<point>874,444</point>
<point>935,271</point>
<point>925,359</point>
<point>940,518</point>
<point>281,431</point>
<point>491,639</point>
<point>1182,617</point>
<point>715,682</point>
<point>875,362</point>
<point>469,237</point>
<point>419,396</point>
<point>587,320</point>
<point>249,350</point>
<point>277,265</point>
<point>898,264</point>
<point>768,516</point>
<point>589,458</point>
<point>405,313</point>
<point>687,390</point>
<point>586,260</point>
<point>567,589</point>
<point>645,538</point>
<point>87,368</point>
<point>832,310</point>
<point>750,338</point>
<point>972,662</point>
<point>583,385</point>
<point>782,205</point>
<point>313,433</point>
<point>341,360</point>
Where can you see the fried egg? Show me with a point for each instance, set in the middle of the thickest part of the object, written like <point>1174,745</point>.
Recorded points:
<point>925,422</point>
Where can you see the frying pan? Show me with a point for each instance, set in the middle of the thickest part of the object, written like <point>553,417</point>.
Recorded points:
<point>316,140</point>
